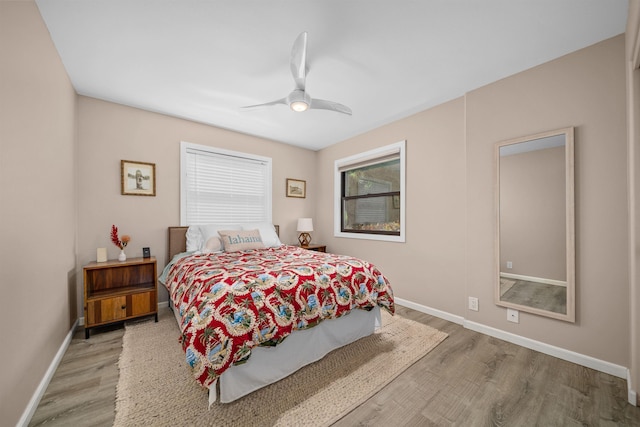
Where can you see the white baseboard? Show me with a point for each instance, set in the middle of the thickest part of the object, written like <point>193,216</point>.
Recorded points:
<point>551,350</point>
<point>44,383</point>
<point>561,353</point>
<point>632,396</point>
<point>432,311</point>
<point>533,279</point>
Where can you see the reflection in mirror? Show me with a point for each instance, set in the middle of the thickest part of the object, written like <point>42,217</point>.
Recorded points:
<point>535,250</point>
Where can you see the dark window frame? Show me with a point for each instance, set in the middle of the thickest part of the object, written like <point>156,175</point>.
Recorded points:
<point>344,199</point>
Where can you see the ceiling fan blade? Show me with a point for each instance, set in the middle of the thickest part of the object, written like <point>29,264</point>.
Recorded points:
<point>299,60</point>
<point>321,104</point>
<point>268,104</point>
<point>299,100</point>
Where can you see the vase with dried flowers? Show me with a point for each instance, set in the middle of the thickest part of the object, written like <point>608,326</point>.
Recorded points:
<point>120,242</point>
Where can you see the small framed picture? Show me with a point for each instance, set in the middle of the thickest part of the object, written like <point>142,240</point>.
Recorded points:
<point>138,178</point>
<point>296,188</point>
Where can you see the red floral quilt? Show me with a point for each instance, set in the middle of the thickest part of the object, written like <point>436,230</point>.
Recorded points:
<point>233,301</point>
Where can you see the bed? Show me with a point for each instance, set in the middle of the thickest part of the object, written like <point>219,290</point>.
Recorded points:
<point>250,317</point>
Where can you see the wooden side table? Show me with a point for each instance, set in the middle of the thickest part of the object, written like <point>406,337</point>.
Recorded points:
<point>317,248</point>
<point>119,290</point>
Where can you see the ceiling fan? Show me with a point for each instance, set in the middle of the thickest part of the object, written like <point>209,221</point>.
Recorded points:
<point>299,100</point>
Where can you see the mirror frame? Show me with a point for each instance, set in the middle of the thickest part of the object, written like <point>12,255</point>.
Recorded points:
<point>570,225</point>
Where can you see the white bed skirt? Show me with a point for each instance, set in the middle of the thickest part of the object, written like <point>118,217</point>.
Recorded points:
<point>270,364</point>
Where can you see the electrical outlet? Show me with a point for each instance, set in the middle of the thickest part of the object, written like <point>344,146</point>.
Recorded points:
<point>509,264</point>
<point>473,303</point>
<point>513,315</point>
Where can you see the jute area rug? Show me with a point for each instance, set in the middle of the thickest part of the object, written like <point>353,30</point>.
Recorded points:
<point>156,388</point>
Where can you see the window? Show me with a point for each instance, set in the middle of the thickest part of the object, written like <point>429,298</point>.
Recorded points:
<point>222,186</point>
<point>369,194</point>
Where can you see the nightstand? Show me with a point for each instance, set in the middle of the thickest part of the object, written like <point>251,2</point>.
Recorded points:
<point>119,290</point>
<point>317,248</point>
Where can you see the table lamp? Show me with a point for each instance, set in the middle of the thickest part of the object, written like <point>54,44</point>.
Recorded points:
<point>305,225</point>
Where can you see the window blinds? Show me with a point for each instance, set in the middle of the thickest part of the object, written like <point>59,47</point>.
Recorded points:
<point>224,187</point>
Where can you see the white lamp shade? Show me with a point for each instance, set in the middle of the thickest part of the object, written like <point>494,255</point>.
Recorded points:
<point>305,224</point>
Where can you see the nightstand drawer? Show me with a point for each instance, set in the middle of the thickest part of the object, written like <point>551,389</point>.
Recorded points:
<point>142,304</point>
<point>106,310</point>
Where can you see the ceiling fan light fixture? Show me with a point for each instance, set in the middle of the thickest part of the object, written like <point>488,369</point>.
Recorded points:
<point>299,106</point>
<point>299,100</point>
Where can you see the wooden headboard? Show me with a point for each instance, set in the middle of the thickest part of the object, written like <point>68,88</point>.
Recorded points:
<point>178,240</point>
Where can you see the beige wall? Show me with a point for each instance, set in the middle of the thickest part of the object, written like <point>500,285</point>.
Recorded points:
<point>634,195</point>
<point>429,268</point>
<point>449,253</point>
<point>633,150</point>
<point>109,133</point>
<point>533,214</point>
<point>37,205</point>
<point>585,89</point>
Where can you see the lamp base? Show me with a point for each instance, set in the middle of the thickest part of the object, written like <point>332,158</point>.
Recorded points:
<point>304,239</point>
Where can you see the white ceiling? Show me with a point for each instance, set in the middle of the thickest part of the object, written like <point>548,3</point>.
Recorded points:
<point>386,59</point>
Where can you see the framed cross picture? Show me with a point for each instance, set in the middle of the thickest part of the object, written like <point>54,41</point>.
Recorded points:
<point>138,178</point>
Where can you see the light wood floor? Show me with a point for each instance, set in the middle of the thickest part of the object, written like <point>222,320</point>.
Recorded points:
<point>469,380</point>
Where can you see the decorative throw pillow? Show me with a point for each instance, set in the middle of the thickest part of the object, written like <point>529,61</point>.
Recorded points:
<point>241,240</point>
<point>267,232</point>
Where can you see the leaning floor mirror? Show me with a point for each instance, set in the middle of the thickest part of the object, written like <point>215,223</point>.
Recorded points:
<point>535,231</point>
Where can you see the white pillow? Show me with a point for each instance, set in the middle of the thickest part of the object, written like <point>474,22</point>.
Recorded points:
<point>213,245</point>
<point>209,231</point>
<point>194,238</point>
<point>267,232</point>
<point>199,237</point>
